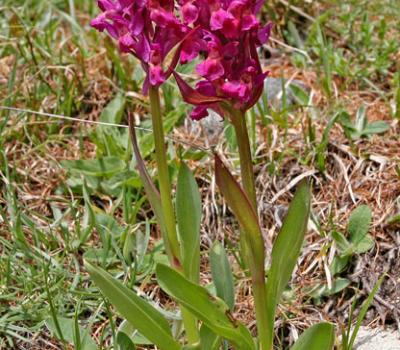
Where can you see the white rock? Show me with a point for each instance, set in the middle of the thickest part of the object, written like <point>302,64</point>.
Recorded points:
<point>377,339</point>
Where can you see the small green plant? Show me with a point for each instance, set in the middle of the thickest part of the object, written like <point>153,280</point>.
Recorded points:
<point>361,127</point>
<point>357,241</point>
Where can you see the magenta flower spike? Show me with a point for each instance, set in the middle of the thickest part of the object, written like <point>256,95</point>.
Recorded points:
<point>227,37</point>
<point>149,30</point>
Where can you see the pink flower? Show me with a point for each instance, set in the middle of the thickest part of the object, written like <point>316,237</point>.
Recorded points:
<point>149,30</point>
<point>211,69</point>
<point>228,35</point>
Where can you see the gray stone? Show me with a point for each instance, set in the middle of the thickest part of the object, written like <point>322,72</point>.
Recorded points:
<point>212,126</point>
<point>273,89</point>
<point>377,339</point>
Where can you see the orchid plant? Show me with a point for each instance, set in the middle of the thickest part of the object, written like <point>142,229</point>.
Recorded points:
<point>223,37</point>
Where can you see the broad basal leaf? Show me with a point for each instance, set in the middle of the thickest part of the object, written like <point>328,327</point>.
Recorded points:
<point>318,337</point>
<point>240,205</point>
<point>212,311</point>
<point>286,250</point>
<point>145,318</point>
<point>208,339</point>
<point>114,111</point>
<point>106,166</point>
<point>188,213</point>
<point>359,223</point>
<point>67,328</point>
<point>222,274</point>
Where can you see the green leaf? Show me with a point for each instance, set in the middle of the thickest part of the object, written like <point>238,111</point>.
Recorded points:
<point>376,127</point>
<point>337,285</point>
<point>95,255</point>
<point>145,318</point>
<point>321,148</point>
<point>151,191</point>
<point>67,327</point>
<point>230,137</point>
<point>146,141</point>
<point>315,291</point>
<point>128,247</point>
<point>361,120</point>
<point>106,224</point>
<point>301,96</point>
<point>133,334</point>
<point>342,243</point>
<point>212,311</point>
<point>208,339</point>
<point>244,213</point>
<point>318,337</point>
<point>124,342</point>
<point>222,274</point>
<point>286,250</point>
<point>114,110</point>
<point>365,245</point>
<point>339,263</point>
<point>109,139</point>
<point>188,213</point>
<point>364,310</point>
<point>196,346</point>
<point>106,166</point>
<point>359,223</point>
<point>345,120</point>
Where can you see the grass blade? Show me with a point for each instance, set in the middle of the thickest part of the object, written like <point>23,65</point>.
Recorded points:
<point>364,310</point>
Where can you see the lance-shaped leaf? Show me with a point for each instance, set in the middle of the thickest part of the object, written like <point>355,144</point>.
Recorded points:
<point>208,339</point>
<point>222,274</point>
<point>192,96</point>
<point>151,191</point>
<point>188,213</point>
<point>240,204</point>
<point>144,317</point>
<point>318,337</point>
<point>286,250</point>
<point>212,311</point>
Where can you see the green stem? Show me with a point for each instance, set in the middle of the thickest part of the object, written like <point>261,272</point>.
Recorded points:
<point>171,241</point>
<point>246,162</point>
<point>260,305</point>
<point>238,119</point>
